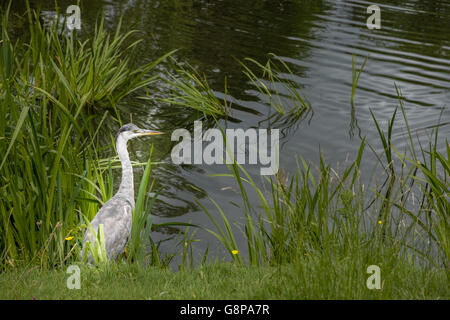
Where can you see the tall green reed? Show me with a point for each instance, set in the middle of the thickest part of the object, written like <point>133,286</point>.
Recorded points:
<point>355,76</point>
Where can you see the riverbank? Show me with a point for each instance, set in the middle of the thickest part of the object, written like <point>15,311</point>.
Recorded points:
<point>315,232</point>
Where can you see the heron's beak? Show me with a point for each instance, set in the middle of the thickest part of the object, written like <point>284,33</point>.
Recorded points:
<point>148,132</point>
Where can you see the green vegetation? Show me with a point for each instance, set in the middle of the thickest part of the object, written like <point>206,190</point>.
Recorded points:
<point>309,278</point>
<point>355,76</point>
<point>276,86</point>
<point>52,178</point>
<point>190,89</point>
<point>313,235</point>
<point>323,212</point>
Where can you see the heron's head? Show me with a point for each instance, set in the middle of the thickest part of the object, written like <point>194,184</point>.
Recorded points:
<point>130,131</point>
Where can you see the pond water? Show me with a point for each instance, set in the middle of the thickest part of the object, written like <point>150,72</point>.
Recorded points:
<point>317,39</point>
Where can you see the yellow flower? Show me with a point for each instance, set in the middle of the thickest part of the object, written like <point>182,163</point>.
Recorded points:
<point>380,222</point>
<point>234,252</point>
<point>69,238</point>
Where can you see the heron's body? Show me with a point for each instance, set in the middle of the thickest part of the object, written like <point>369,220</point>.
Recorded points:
<point>116,215</point>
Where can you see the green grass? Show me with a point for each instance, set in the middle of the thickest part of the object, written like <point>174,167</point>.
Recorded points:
<point>309,278</point>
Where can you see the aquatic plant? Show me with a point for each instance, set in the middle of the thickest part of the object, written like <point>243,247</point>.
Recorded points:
<point>188,88</point>
<point>321,212</point>
<point>355,76</point>
<point>275,85</point>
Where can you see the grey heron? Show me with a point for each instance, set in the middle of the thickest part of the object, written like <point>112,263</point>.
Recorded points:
<point>116,214</point>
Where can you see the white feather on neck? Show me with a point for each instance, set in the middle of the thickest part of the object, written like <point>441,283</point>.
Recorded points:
<point>127,184</point>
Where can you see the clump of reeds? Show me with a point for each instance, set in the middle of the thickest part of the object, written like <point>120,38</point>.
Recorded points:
<point>188,88</point>
<point>50,175</point>
<point>319,212</point>
<point>96,72</point>
<point>275,85</point>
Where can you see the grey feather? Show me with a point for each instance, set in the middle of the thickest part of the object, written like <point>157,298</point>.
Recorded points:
<point>116,215</point>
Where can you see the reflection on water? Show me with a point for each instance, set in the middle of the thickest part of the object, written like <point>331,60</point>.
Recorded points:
<point>317,39</point>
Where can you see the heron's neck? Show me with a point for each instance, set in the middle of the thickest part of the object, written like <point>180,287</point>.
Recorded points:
<point>126,185</point>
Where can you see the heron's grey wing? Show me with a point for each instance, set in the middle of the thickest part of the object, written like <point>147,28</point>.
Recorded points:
<point>116,215</point>
<point>118,230</point>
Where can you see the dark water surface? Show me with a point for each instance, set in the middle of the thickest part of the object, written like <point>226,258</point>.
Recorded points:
<point>317,38</point>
